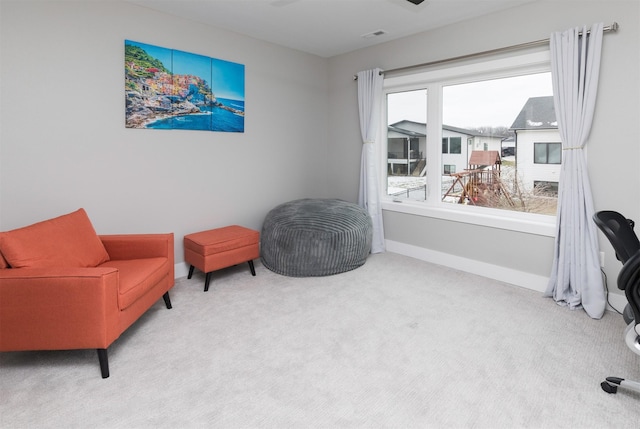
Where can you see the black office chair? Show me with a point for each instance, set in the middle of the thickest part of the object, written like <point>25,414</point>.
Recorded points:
<point>619,232</point>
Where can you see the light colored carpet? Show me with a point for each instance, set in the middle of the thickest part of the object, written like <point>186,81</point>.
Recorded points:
<point>396,343</point>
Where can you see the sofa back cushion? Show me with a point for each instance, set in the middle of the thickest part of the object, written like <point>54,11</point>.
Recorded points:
<point>65,241</point>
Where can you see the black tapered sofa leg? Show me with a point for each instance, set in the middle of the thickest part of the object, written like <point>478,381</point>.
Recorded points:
<point>167,300</point>
<point>104,362</point>
<point>102,353</point>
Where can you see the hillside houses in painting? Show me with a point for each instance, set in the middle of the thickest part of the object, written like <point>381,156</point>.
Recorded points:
<point>154,94</point>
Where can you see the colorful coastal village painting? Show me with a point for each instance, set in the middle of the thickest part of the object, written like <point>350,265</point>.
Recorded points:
<point>171,89</point>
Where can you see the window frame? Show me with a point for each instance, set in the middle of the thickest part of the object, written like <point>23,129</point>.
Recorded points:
<point>434,81</point>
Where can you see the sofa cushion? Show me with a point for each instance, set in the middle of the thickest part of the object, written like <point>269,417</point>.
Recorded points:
<point>137,277</point>
<point>65,241</point>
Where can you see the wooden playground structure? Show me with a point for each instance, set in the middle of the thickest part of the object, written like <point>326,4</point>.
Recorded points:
<point>480,184</point>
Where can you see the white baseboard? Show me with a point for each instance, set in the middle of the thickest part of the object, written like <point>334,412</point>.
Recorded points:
<point>518,278</point>
<point>618,301</point>
<point>181,270</point>
<point>496,272</point>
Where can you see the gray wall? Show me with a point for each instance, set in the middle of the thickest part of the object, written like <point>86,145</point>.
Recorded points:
<point>613,149</point>
<point>63,143</point>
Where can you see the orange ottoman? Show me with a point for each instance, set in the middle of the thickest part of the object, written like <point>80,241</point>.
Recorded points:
<point>221,248</point>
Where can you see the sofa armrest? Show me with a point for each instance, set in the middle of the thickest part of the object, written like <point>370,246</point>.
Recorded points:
<point>58,308</point>
<point>138,246</point>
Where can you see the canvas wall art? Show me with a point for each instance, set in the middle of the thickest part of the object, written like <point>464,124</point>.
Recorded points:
<point>172,89</point>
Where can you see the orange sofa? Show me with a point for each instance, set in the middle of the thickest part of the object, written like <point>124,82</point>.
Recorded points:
<point>64,287</point>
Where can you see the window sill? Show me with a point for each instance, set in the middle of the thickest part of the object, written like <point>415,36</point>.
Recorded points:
<point>501,219</point>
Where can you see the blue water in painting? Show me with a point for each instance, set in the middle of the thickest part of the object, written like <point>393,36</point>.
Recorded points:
<point>212,119</point>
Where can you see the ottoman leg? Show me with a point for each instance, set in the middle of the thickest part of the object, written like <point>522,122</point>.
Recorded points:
<point>190,272</point>
<point>206,281</point>
<point>253,270</point>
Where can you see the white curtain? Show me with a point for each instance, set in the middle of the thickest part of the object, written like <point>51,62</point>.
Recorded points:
<point>369,104</point>
<point>576,280</point>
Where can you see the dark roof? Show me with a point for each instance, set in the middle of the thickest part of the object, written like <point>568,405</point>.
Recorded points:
<point>406,127</point>
<point>409,128</point>
<point>405,132</point>
<point>465,131</point>
<point>406,122</point>
<point>538,113</point>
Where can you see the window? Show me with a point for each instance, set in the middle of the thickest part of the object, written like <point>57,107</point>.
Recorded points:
<point>490,105</point>
<point>547,153</point>
<point>452,145</point>
<point>546,188</point>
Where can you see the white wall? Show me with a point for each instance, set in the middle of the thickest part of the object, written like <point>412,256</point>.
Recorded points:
<point>614,173</point>
<point>64,145</point>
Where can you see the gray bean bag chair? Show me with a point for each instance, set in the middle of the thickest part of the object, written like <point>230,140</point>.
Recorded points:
<point>315,237</point>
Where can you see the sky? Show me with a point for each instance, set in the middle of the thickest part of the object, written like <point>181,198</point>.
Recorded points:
<point>486,103</point>
<point>225,78</point>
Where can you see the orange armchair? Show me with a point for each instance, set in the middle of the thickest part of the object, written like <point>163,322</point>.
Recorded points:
<point>49,304</point>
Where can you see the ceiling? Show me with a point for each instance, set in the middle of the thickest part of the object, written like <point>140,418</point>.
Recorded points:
<point>327,27</point>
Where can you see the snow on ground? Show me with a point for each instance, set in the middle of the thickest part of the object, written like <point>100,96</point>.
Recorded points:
<point>402,183</point>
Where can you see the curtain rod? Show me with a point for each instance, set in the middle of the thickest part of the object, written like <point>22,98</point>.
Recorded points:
<point>613,27</point>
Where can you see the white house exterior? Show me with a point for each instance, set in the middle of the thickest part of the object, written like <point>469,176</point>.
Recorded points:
<point>471,141</point>
<point>407,145</point>
<point>454,161</point>
<point>539,149</point>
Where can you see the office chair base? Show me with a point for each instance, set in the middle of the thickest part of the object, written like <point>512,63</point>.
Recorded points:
<point>611,384</point>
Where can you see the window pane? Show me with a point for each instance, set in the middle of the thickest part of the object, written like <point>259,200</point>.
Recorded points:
<point>455,145</point>
<point>540,153</point>
<point>406,144</point>
<point>500,119</point>
<point>555,153</point>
